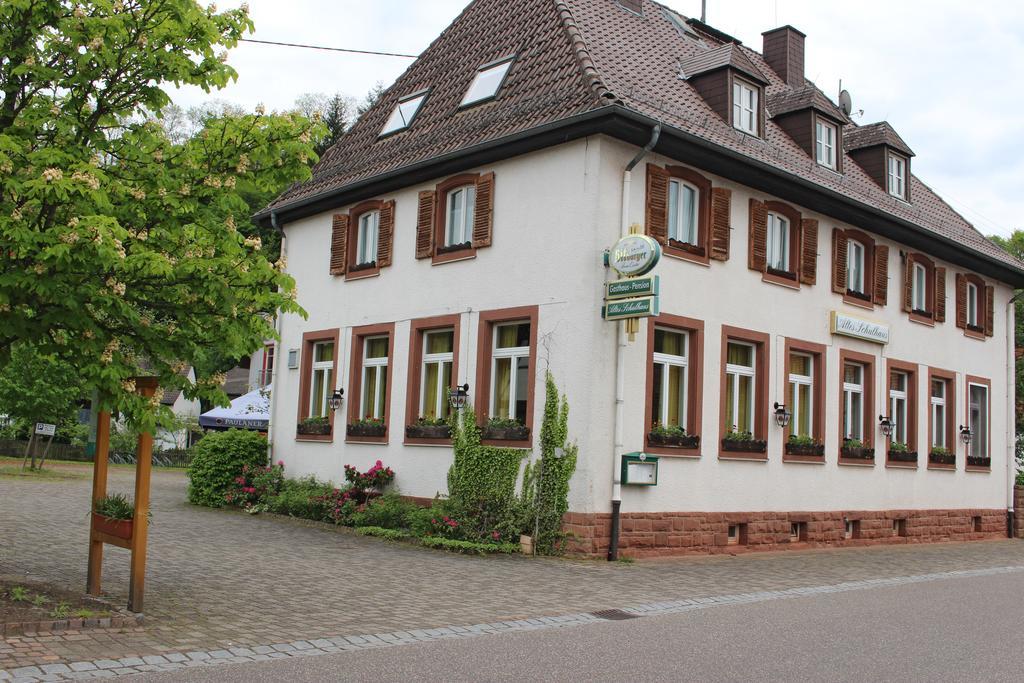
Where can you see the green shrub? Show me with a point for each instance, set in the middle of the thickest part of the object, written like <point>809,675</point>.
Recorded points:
<point>468,547</point>
<point>419,522</point>
<point>389,511</point>
<point>115,506</point>
<point>304,498</point>
<point>386,534</point>
<point>218,459</point>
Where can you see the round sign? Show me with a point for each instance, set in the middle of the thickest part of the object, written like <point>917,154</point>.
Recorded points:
<point>634,255</point>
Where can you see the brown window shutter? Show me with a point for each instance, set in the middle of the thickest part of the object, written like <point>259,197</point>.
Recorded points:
<point>940,294</point>
<point>839,246</point>
<point>425,224</point>
<point>386,234</point>
<point>339,243</point>
<point>908,285</point>
<point>721,222</point>
<point>881,294</point>
<point>809,251</point>
<point>757,236</point>
<point>961,301</point>
<point>990,310</point>
<point>656,204</point>
<point>483,212</point>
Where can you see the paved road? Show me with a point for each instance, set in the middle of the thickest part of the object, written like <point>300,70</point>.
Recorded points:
<point>961,629</point>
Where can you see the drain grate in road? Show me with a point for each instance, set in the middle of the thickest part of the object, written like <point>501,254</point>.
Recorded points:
<point>614,615</point>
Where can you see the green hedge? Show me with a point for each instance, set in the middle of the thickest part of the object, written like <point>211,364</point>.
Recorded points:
<point>218,459</point>
<point>380,532</point>
<point>468,547</point>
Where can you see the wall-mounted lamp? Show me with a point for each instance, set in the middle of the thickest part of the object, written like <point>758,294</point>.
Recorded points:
<point>782,415</point>
<point>334,402</point>
<point>457,396</point>
<point>965,435</point>
<point>886,425</point>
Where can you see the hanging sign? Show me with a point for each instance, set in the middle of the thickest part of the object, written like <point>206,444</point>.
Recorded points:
<point>632,287</point>
<point>848,326</point>
<point>639,469</point>
<point>634,255</point>
<point>645,307</point>
<point>44,429</point>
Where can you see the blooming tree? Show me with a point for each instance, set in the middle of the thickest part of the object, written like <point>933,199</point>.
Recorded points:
<point>120,247</point>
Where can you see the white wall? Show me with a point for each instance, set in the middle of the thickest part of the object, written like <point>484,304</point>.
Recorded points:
<point>555,212</point>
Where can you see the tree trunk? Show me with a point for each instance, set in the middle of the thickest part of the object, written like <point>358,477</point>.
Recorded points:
<point>45,452</point>
<point>28,449</point>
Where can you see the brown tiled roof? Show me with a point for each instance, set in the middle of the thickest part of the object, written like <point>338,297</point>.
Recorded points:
<point>729,54</point>
<point>578,56</point>
<point>808,97</point>
<point>873,134</point>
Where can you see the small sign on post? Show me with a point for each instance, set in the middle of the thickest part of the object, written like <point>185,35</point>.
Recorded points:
<point>644,307</point>
<point>632,287</point>
<point>44,429</point>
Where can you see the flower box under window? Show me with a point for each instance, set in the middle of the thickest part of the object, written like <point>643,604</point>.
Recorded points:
<point>366,429</point>
<point>506,432</point>
<point>462,246</point>
<point>421,431</point>
<point>942,458</point>
<point>362,266</point>
<point>744,445</point>
<point>314,427</point>
<point>866,453</point>
<point>687,247</point>
<point>788,275</point>
<point>673,440</point>
<point>902,456</point>
<point>811,449</point>
<point>976,461</point>
<point>863,296</point>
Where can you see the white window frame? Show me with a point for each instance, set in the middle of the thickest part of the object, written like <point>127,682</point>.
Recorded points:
<point>745,106</point>
<point>979,447</point>
<point>778,238</point>
<point>379,367</point>
<point>825,136</point>
<point>919,288</point>
<point>367,236</point>
<point>802,380</point>
<point>487,82</point>
<point>972,304</point>
<point>856,251</point>
<point>515,353</point>
<point>850,391</point>
<point>682,228</point>
<point>439,359</point>
<point>466,195</point>
<point>327,368</point>
<point>732,375</point>
<point>897,173</point>
<point>938,405</point>
<point>404,113</point>
<point>669,360</point>
<point>897,414</point>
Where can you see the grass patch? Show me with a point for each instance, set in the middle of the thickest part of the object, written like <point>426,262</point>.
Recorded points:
<point>15,472</point>
<point>468,547</point>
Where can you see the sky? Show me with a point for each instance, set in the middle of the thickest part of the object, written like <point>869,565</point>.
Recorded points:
<point>945,74</point>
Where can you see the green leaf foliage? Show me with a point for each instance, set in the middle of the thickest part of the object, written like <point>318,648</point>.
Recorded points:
<point>218,459</point>
<point>119,243</point>
<point>38,387</point>
<point>115,506</point>
<point>381,532</point>
<point>468,547</point>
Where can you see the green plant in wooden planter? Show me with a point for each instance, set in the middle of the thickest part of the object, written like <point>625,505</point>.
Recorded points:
<point>898,447</point>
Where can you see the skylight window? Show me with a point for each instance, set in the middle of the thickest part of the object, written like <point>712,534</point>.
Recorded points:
<point>405,111</point>
<point>489,78</point>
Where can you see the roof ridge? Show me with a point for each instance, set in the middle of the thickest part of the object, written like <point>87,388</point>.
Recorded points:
<point>589,71</point>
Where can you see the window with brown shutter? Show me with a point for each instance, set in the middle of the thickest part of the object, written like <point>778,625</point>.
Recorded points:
<point>839,257</point>
<point>961,301</point>
<point>809,251</point>
<point>425,224</point>
<point>776,244</point>
<point>456,219</point>
<point>881,275</point>
<point>371,228</point>
<point>990,309</point>
<point>918,273</point>
<point>339,243</point>
<point>859,268</point>
<point>721,223</point>
<point>757,236</point>
<point>678,213</point>
<point>940,295</point>
<point>483,213</point>
<point>975,302</point>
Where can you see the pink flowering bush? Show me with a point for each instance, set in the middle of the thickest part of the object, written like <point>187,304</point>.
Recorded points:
<point>373,480</point>
<point>255,485</point>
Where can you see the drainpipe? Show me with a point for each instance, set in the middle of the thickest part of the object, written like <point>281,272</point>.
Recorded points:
<point>620,360</point>
<point>278,357</point>
<point>1011,409</point>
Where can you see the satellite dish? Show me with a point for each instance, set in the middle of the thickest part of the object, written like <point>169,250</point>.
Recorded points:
<point>845,102</point>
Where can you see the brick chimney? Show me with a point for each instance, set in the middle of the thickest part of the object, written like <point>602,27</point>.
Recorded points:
<point>784,52</point>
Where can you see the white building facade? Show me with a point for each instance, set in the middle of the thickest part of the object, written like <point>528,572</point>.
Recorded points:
<point>777,296</point>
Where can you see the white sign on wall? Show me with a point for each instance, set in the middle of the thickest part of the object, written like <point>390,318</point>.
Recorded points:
<point>848,326</point>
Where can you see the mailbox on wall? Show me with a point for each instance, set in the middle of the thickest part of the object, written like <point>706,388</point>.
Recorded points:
<point>639,469</point>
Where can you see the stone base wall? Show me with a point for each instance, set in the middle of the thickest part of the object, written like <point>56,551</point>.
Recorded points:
<point>652,534</point>
<point>1018,511</point>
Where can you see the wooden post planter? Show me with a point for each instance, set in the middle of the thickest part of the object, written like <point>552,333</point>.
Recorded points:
<point>366,430</point>
<point>428,432</point>
<point>744,446</point>
<point>942,458</point>
<point>903,456</point>
<point>118,528</point>
<point>817,449</point>
<point>865,453</point>
<point>674,440</point>
<point>517,433</point>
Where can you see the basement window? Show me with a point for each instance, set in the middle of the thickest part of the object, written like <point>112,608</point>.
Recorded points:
<point>404,113</point>
<point>487,82</point>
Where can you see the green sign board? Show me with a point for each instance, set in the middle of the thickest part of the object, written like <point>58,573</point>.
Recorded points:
<point>644,307</point>
<point>639,469</point>
<point>632,287</point>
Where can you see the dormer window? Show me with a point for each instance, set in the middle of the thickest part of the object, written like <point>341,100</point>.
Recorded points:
<point>404,113</point>
<point>897,176</point>
<point>825,135</point>
<point>744,106</point>
<point>487,82</point>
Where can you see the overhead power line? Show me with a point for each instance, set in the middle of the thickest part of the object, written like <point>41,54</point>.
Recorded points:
<point>330,49</point>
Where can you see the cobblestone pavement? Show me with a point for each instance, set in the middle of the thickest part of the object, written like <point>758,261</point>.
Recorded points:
<point>220,579</point>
